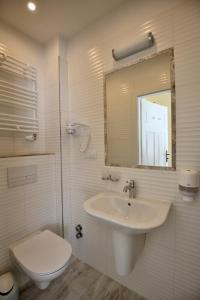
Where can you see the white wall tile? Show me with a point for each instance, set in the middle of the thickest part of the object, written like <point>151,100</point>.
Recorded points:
<point>157,274</point>
<point>187,276</point>
<point>27,208</point>
<point>35,206</point>
<point>169,265</point>
<point>25,49</point>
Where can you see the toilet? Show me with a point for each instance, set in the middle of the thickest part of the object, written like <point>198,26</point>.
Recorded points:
<point>43,256</point>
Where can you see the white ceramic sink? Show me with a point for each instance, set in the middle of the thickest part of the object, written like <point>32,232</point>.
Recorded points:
<point>130,220</point>
<point>133,216</point>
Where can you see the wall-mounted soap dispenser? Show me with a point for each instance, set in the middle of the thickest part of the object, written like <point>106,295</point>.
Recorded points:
<point>188,184</point>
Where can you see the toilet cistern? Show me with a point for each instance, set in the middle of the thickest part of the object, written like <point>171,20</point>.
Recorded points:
<point>130,187</point>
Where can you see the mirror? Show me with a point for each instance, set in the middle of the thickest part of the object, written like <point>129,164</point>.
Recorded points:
<point>140,114</point>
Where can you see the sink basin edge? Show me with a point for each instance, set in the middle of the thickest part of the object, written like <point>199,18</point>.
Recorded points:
<point>161,207</point>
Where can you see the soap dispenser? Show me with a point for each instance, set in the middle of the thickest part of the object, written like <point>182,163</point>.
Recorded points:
<point>188,184</point>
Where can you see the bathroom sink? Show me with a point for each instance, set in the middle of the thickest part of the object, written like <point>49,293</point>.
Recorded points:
<point>133,216</point>
<point>130,220</point>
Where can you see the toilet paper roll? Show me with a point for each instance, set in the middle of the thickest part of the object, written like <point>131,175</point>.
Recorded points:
<point>189,178</point>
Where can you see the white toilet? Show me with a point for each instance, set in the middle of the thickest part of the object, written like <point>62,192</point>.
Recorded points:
<point>43,256</point>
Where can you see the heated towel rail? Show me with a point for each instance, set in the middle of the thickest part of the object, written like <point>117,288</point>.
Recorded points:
<point>18,95</point>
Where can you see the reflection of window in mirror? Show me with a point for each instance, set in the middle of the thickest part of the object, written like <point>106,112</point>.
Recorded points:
<point>139,114</point>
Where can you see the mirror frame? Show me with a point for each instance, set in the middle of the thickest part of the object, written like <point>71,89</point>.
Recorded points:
<point>173,109</point>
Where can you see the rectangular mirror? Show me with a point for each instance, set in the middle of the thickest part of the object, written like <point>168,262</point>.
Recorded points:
<point>140,114</point>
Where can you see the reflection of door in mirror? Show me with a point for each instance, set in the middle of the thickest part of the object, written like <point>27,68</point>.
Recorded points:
<point>140,114</point>
<point>154,125</point>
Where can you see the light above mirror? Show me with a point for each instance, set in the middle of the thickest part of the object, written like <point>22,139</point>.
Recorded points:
<point>140,114</point>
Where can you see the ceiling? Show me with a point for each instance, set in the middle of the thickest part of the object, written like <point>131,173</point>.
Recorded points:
<point>53,17</point>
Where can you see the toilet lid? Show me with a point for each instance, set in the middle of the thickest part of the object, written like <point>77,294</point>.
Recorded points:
<point>44,253</point>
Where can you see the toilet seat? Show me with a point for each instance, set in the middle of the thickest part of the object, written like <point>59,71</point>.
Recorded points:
<point>44,253</point>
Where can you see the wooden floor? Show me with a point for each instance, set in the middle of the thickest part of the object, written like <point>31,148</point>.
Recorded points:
<point>80,282</point>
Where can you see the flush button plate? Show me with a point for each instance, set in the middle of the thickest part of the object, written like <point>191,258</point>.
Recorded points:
<point>22,175</point>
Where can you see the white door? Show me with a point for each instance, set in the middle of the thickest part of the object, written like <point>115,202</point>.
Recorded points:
<point>153,132</point>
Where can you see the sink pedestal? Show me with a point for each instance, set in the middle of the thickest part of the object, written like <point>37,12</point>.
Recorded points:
<point>127,248</point>
<point>130,220</point>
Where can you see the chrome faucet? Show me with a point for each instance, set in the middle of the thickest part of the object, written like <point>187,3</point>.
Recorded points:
<point>130,187</point>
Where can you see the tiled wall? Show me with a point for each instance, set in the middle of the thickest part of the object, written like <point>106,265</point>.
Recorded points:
<point>33,206</point>
<point>25,49</point>
<point>26,208</point>
<point>169,267</point>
